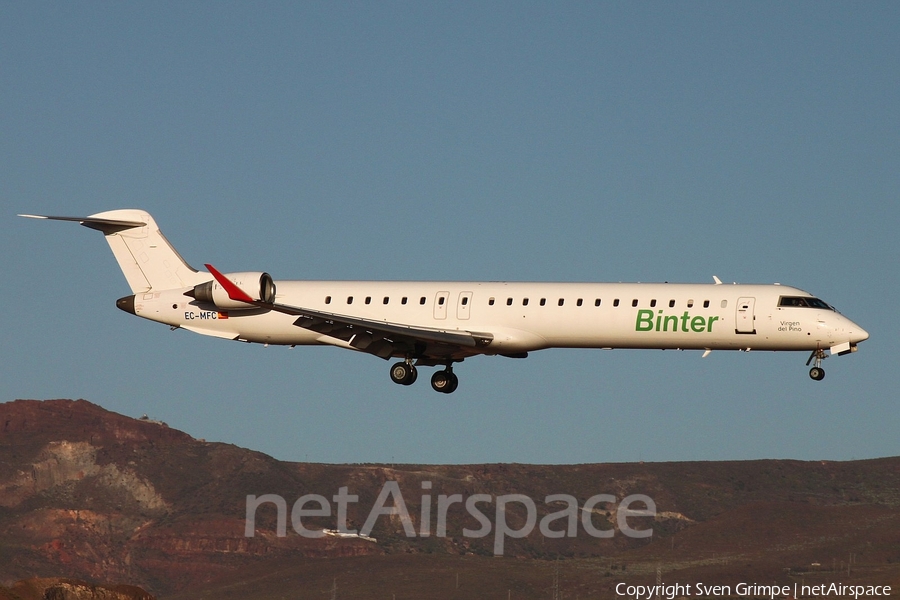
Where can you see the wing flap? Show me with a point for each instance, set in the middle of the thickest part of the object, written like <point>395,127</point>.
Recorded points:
<point>342,326</point>
<point>385,339</point>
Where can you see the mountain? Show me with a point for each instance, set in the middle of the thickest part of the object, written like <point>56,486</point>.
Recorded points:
<point>94,495</point>
<point>69,589</point>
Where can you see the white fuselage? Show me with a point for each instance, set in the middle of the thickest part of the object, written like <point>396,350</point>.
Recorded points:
<point>524,317</point>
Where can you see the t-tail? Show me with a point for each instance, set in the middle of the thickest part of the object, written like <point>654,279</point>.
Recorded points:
<point>147,259</point>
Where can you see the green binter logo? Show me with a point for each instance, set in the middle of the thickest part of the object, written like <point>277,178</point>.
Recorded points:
<point>674,323</point>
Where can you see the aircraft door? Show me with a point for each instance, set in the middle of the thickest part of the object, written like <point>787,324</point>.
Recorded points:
<point>745,320</point>
<point>464,306</point>
<point>440,305</point>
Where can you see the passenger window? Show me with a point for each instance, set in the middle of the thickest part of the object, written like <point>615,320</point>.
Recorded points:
<point>368,299</point>
<point>616,302</point>
<point>490,301</point>
<point>706,304</point>
<point>597,302</point>
<point>524,301</point>
<point>561,301</point>
<point>349,299</point>
<point>690,304</point>
<point>543,301</point>
<point>579,302</point>
<point>509,301</point>
<point>386,299</point>
<point>634,302</point>
<point>724,303</point>
<point>403,300</point>
<point>327,299</point>
<point>671,304</point>
<point>441,301</point>
<point>422,300</point>
<point>653,303</point>
<point>465,300</point>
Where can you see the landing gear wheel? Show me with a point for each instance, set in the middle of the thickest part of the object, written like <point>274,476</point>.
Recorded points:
<point>816,357</point>
<point>445,382</point>
<point>403,373</point>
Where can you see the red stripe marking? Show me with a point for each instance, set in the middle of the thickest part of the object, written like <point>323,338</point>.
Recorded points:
<point>234,292</point>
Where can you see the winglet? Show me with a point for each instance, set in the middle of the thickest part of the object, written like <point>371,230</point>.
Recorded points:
<point>717,280</point>
<point>234,292</point>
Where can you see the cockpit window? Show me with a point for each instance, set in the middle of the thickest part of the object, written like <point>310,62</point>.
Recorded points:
<point>803,301</point>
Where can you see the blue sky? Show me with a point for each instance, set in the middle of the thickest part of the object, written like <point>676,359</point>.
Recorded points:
<point>759,142</point>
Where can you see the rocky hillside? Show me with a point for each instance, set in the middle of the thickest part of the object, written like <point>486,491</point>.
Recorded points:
<point>95,495</point>
<point>68,589</point>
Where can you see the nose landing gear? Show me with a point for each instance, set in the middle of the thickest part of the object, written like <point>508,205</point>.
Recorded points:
<point>817,372</point>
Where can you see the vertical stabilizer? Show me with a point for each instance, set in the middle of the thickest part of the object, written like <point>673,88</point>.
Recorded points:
<point>145,256</point>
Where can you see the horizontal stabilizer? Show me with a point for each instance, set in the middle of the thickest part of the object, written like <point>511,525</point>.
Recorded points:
<point>107,226</point>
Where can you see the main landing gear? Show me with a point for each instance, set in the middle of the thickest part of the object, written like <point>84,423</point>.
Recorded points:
<point>817,372</point>
<point>444,381</point>
<point>404,373</point>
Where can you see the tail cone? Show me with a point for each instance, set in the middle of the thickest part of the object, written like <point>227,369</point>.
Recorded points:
<point>126,304</point>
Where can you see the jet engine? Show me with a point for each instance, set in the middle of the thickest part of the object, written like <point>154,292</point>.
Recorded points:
<point>255,284</point>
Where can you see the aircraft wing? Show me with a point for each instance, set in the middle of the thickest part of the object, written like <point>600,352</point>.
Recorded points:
<point>389,339</point>
<point>380,338</point>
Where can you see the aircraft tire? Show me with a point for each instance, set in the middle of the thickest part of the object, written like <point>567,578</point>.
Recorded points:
<point>817,373</point>
<point>403,373</point>
<point>444,381</point>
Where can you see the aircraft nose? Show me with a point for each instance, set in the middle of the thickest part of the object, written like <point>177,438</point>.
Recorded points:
<point>857,333</point>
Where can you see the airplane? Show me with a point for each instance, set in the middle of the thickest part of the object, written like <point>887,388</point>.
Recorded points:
<point>441,323</point>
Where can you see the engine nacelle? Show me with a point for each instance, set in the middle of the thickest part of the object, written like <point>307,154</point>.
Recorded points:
<point>255,284</point>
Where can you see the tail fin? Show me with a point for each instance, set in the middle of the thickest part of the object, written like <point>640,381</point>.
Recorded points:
<point>147,259</point>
